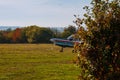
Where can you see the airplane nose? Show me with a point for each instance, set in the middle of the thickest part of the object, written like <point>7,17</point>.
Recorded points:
<point>52,40</point>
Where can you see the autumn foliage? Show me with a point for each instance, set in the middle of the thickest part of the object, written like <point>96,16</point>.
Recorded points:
<point>100,52</point>
<point>16,35</point>
<point>29,34</point>
<point>34,34</point>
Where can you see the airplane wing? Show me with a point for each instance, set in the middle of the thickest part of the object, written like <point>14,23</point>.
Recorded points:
<point>62,42</point>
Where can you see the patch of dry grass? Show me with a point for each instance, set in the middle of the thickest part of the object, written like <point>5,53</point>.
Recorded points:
<point>36,62</point>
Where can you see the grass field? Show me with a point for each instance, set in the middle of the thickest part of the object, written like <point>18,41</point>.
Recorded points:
<point>36,62</point>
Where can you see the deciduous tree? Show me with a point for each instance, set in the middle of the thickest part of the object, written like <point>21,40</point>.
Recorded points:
<point>100,52</point>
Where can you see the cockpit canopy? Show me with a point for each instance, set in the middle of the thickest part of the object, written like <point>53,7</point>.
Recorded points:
<point>72,38</point>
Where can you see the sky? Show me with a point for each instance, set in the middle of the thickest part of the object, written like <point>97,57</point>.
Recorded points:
<point>45,13</point>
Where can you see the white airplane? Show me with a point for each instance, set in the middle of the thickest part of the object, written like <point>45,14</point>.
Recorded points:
<point>69,42</point>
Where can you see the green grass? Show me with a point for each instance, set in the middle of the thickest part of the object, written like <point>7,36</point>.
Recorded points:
<point>36,62</point>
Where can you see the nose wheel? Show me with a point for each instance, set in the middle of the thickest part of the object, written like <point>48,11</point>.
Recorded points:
<point>61,50</point>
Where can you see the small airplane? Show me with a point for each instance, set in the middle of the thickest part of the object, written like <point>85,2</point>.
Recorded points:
<point>69,42</point>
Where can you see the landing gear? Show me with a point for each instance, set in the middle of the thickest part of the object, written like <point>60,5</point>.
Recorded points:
<point>61,49</point>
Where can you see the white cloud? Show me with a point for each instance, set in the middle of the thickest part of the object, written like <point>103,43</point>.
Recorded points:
<point>39,12</point>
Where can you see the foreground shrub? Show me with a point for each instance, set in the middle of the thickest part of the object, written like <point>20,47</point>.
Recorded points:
<point>100,52</point>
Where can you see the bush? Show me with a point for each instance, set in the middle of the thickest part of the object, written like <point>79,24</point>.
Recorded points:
<point>100,53</point>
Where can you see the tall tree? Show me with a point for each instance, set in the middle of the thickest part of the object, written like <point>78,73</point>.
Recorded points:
<point>31,32</point>
<point>36,34</point>
<point>100,52</point>
<point>17,35</point>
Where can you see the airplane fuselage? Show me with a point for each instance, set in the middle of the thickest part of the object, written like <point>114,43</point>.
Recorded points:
<point>62,42</point>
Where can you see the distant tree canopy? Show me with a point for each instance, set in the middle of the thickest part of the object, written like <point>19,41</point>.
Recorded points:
<point>100,52</point>
<point>34,34</point>
<point>68,31</point>
<point>29,34</point>
<point>1,37</point>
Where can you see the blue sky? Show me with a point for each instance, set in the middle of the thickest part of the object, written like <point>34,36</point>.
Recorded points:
<point>46,13</point>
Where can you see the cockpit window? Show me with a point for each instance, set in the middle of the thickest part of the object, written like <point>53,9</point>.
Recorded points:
<point>70,37</point>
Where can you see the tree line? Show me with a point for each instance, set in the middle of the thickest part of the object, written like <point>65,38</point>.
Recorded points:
<point>34,34</point>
